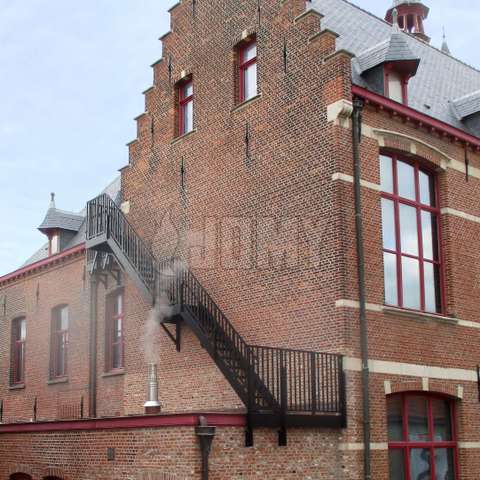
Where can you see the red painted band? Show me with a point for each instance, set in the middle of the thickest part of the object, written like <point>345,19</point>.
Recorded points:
<point>42,263</point>
<point>415,115</point>
<point>156,421</point>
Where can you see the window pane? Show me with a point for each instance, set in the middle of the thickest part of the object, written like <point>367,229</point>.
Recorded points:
<point>441,420</point>
<point>417,419</point>
<point>394,418</point>
<point>388,224</point>
<point>397,464</point>
<point>250,52</point>
<point>188,117</point>
<point>427,190</point>
<point>432,290</point>
<point>119,305</point>
<point>411,283</point>
<point>390,274</point>
<point>429,236</point>
<point>117,356</point>
<point>395,90</point>
<point>386,175</point>
<point>64,319</point>
<point>188,90</point>
<point>420,464</point>
<point>444,465</point>
<point>250,81</point>
<point>22,330</point>
<point>117,329</point>
<point>408,230</point>
<point>406,180</point>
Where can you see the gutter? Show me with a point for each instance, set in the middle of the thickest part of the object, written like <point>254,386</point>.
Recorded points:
<point>358,105</point>
<point>414,115</point>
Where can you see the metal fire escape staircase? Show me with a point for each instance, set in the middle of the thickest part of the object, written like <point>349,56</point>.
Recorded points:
<point>279,387</point>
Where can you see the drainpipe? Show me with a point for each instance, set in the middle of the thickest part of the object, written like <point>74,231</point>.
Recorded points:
<point>357,135</point>
<point>92,381</point>
<point>205,436</point>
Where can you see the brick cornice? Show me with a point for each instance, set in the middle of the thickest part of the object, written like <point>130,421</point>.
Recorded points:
<point>42,264</point>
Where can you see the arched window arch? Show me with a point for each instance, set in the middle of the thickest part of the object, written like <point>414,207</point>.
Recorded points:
<point>20,476</point>
<point>422,438</point>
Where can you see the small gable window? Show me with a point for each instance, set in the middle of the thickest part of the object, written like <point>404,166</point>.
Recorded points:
<point>396,83</point>
<point>58,352</point>
<point>185,107</point>
<point>19,335</point>
<point>54,243</point>
<point>247,75</point>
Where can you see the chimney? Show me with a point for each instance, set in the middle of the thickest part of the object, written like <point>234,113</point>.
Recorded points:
<point>152,405</point>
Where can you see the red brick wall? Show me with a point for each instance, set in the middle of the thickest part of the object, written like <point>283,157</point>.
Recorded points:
<point>223,213</point>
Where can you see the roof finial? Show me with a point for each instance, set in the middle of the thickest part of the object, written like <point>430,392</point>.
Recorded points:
<point>445,48</point>
<point>52,200</point>
<point>395,16</point>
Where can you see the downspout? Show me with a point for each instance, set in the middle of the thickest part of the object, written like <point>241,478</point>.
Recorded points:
<point>92,382</point>
<point>357,135</point>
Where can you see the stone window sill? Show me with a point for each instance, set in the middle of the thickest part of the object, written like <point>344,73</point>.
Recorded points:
<point>422,316</point>
<point>113,373</point>
<point>56,381</point>
<point>183,137</point>
<point>20,386</point>
<point>246,103</point>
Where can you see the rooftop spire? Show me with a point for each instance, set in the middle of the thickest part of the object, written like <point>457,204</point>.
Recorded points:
<point>445,48</point>
<point>52,200</point>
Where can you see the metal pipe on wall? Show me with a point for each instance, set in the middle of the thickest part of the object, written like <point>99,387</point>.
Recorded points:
<point>358,105</point>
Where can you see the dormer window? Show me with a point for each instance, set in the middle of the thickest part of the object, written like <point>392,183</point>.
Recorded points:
<point>396,84</point>
<point>54,244</point>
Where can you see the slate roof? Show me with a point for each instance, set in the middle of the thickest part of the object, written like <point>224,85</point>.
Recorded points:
<point>392,50</point>
<point>440,78</point>
<point>62,220</point>
<point>113,190</point>
<point>467,105</point>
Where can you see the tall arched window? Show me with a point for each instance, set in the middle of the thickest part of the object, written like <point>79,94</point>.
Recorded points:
<point>422,437</point>
<point>411,236</point>
<point>20,476</point>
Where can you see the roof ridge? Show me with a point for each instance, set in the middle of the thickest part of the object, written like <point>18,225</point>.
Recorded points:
<point>476,69</point>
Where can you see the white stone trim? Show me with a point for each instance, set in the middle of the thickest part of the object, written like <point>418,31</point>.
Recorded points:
<point>340,110</point>
<point>125,207</point>
<point>359,446</point>
<point>348,178</point>
<point>411,370</point>
<point>468,445</point>
<point>425,384</point>
<point>458,213</point>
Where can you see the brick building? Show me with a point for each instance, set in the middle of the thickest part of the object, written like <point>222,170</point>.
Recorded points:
<point>292,246</point>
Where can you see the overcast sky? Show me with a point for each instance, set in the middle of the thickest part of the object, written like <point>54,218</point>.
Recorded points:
<point>71,77</point>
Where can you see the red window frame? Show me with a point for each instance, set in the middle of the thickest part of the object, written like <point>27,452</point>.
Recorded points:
<point>113,340</point>
<point>405,445</point>
<point>18,351</point>
<point>419,206</point>
<point>244,65</point>
<point>184,101</point>
<point>404,78</point>
<point>59,366</point>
